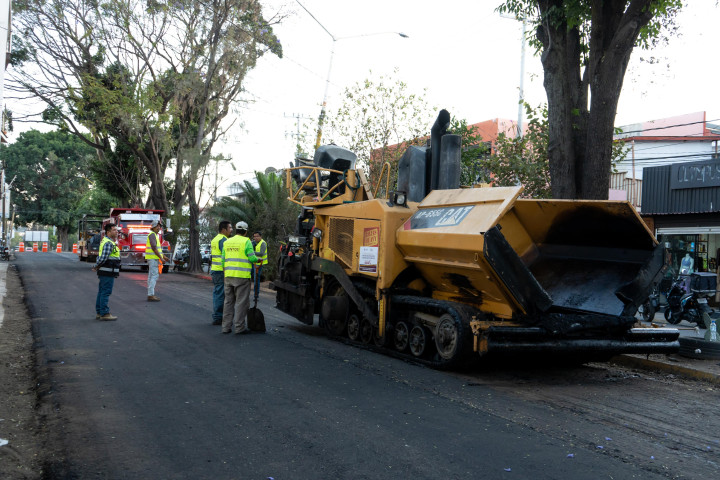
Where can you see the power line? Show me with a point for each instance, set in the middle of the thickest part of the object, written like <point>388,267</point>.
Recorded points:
<point>707,156</point>
<point>669,126</point>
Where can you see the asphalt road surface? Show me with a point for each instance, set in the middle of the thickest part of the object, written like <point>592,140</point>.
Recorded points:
<point>162,394</point>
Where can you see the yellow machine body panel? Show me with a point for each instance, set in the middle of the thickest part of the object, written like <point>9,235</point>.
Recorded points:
<point>446,240</point>
<point>360,237</point>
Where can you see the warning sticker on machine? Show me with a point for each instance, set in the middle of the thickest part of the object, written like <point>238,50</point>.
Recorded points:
<point>371,237</point>
<point>438,217</point>
<point>368,259</point>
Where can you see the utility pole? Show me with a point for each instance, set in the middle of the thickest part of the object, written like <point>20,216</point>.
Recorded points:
<point>297,135</point>
<point>522,78</point>
<point>521,101</point>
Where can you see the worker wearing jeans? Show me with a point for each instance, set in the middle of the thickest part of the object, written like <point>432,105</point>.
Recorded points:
<point>107,268</point>
<point>216,270</point>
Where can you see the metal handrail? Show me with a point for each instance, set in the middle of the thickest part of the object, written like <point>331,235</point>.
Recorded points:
<point>386,166</point>
<point>319,196</point>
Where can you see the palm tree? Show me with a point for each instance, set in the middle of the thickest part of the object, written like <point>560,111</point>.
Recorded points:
<point>265,208</point>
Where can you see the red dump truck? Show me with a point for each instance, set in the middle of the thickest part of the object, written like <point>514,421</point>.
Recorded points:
<point>133,228</point>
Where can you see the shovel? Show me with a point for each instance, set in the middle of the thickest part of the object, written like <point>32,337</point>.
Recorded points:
<point>255,318</point>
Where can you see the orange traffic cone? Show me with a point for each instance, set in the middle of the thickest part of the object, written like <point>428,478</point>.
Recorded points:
<point>21,247</point>
<point>44,247</point>
<point>35,247</point>
<point>75,248</point>
<point>59,248</point>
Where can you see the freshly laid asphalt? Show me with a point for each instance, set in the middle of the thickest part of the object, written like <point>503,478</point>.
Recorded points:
<point>672,364</point>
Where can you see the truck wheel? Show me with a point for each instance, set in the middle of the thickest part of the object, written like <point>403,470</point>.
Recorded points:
<point>353,327</point>
<point>366,331</point>
<point>401,336</point>
<point>418,340</point>
<point>166,268</point>
<point>448,337</point>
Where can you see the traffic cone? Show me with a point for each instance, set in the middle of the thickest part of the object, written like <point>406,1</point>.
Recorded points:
<point>75,248</point>
<point>21,247</point>
<point>44,247</point>
<point>59,248</point>
<point>34,246</point>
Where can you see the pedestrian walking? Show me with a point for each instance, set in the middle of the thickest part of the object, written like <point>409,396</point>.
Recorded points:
<point>216,270</point>
<point>107,267</point>
<point>153,255</point>
<point>238,258</point>
<point>260,246</point>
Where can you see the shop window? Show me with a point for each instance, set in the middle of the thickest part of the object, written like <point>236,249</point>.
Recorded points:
<point>697,246</point>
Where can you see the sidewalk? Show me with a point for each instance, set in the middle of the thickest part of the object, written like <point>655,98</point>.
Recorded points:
<point>673,364</point>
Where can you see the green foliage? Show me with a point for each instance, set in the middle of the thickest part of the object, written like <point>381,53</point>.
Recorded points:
<point>151,81</point>
<point>524,159</point>
<point>50,171</point>
<point>576,14</point>
<point>265,208</point>
<point>585,48</point>
<point>473,153</point>
<point>378,120</point>
<point>96,201</point>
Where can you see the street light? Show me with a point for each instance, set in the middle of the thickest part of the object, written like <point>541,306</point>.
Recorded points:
<point>321,119</point>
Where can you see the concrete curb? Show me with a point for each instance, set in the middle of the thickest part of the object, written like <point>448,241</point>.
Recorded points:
<point>657,366</point>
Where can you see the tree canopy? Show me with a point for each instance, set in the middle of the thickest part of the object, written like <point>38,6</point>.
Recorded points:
<point>51,177</point>
<point>585,47</point>
<point>378,120</point>
<point>147,82</point>
<point>265,207</point>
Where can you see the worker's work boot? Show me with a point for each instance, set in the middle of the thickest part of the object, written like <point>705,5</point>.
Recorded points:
<point>153,298</point>
<point>107,317</point>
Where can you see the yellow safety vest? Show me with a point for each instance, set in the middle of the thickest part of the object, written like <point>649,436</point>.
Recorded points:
<point>149,254</point>
<point>216,253</point>
<point>111,267</point>
<point>237,264</point>
<point>259,252</point>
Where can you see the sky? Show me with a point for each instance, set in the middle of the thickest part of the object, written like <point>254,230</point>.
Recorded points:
<point>462,52</point>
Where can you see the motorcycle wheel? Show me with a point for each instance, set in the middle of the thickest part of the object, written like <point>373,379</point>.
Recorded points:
<point>648,311</point>
<point>673,319</point>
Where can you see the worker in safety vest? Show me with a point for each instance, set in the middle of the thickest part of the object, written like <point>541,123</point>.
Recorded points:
<point>260,246</point>
<point>153,255</point>
<point>216,270</point>
<point>108,269</point>
<point>238,258</point>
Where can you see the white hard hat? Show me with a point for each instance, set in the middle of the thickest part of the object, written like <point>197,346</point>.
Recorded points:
<point>241,226</point>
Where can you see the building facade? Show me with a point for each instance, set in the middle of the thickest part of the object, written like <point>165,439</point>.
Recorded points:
<point>679,139</point>
<point>681,203</point>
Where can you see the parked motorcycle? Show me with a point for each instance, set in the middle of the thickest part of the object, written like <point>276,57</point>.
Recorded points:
<point>656,300</point>
<point>687,299</point>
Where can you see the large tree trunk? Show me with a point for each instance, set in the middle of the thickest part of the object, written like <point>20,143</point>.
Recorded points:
<point>580,139</point>
<point>561,151</point>
<point>195,260</point>
<point>62,234</point>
